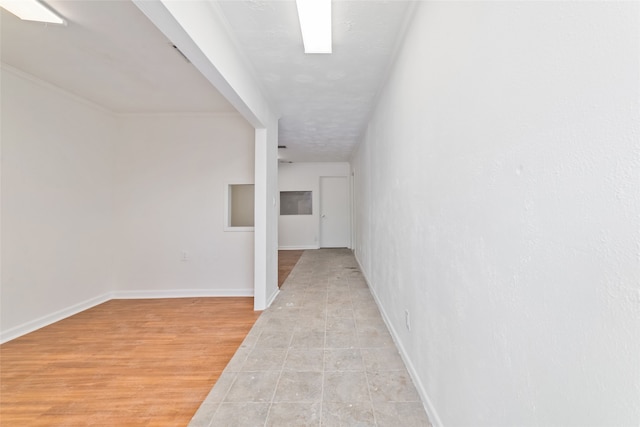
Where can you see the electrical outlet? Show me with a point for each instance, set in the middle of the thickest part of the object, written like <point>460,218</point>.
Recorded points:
<point>185,256</point>
<point>407,319</point>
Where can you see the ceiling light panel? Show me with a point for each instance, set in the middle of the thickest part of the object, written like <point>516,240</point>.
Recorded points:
<point>31,10</point>
<point>315,23</point>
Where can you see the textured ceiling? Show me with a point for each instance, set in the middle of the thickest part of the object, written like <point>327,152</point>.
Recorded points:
<point>111,54</point>
<point>324,100</point>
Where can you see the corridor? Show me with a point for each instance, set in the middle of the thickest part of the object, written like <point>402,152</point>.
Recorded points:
<point>320,355</point>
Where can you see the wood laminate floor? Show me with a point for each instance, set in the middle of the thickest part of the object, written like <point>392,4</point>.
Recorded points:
<point>286,261</point>
<point>122,363</point>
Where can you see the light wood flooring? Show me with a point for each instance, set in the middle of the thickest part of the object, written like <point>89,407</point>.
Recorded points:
<point>122,363</point>
<point>286,261</point>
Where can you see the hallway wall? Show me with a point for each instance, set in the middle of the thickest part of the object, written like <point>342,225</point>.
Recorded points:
<point>497,200</point>
<point>302,231</point>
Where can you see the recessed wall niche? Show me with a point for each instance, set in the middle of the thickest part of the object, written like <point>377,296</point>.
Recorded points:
<point>240,207</point>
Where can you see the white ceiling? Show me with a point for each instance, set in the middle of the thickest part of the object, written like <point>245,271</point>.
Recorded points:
<point>112,55</point>
<point>324,100</point>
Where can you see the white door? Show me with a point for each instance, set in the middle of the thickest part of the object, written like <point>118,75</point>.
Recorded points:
<point>334,212</point>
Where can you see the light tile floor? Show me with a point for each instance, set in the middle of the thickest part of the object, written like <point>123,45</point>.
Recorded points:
<point>321,355</point>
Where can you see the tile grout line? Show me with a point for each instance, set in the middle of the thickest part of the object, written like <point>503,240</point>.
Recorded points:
<point>327,281</point>
<point>273,396</point>
<point>324,353</point>
<point>360,347</point>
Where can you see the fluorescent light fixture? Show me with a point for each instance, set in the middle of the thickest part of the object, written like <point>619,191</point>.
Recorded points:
<point>31,10</point>
<point>315,23</point>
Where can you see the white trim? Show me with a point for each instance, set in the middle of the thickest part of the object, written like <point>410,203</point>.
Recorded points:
<point>205,114</point>
<point>186,293</point>
<point>49,319</point>
<point>426,401</point>
<point>297,248</point>
<point>4,67</point>
<point>56,316</point>
<point>272,298</point>
<point>233,229</point>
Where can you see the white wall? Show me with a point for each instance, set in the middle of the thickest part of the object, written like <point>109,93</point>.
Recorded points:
<point>199,29</point>
<point>499,182</point>
<point>171,173</point>
<point>96,205</point>
<point>57,203</point>
<point>302,231</point>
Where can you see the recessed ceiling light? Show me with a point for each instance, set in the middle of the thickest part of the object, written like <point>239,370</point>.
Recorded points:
<point>32,10</point>
<point>315,23</point>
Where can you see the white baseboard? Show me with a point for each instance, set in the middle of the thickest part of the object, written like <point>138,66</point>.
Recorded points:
<point>426,401</point>
<point>272,298</point>
<point>43,321</point>
<point>183,293</point>
<point>297,248</point>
